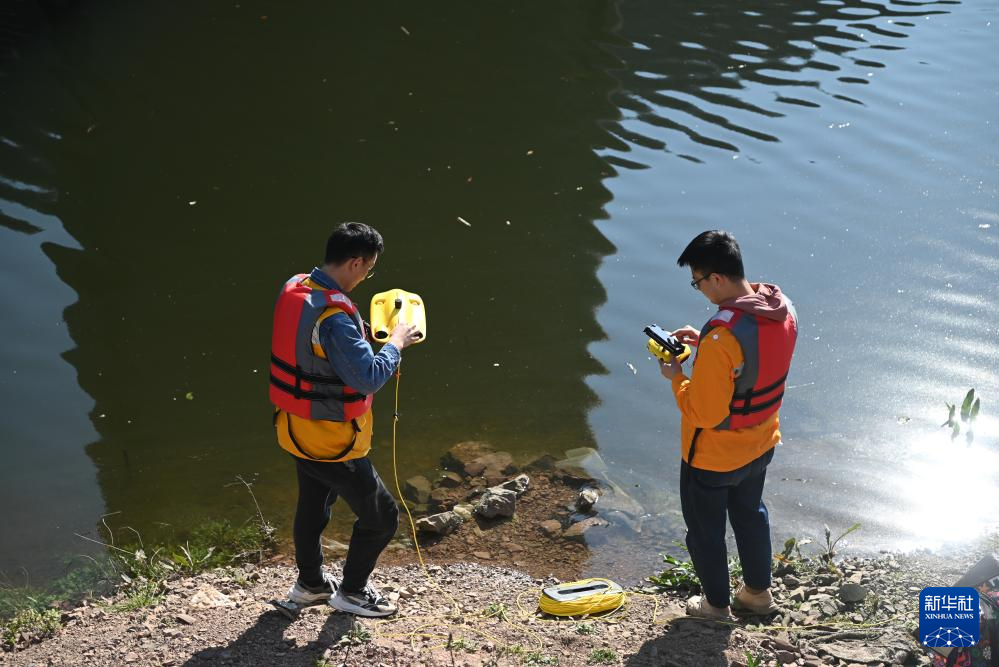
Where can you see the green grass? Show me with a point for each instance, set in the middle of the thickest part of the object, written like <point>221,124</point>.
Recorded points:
<point>496,610</point>
<point>602,656</point>
<point>38,624</point>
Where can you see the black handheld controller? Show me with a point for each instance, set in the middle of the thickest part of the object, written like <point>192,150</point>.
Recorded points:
<point>663,337</point>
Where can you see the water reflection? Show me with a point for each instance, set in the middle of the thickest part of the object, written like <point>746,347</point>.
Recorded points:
<point>718,74</point>
<point>200,178</point>
<point>47,484</point>
<point>948,490</point>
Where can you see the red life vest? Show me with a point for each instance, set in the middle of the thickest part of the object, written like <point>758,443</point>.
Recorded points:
<point>303,383</point>
<point>767,346</point>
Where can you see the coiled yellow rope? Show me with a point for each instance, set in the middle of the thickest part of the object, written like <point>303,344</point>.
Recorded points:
<point>606,596</point>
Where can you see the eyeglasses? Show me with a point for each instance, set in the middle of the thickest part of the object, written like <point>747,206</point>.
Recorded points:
<point>696,283</point>
<point>370,273</point>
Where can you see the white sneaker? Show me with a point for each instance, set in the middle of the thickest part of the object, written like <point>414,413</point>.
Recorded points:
<point>305,595</point>
<point>368,602</point>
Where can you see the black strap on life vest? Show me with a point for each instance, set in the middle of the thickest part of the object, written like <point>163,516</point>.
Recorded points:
<point>300,375</point>
<point>294,440</point>
<point>748,407</point>
<point>693,446</point>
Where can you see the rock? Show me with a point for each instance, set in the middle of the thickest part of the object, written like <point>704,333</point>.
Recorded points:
<point>855,652</point>
<point>464,510</point>
<point>617,499</point>
<point>621,519</point>
<point>465,452</point>
<point>441,496</point>
<point>551,528</point>
<point>518,484</point>
<point>417,489</point>
<point>578,529</point>
<point>580,464</point>
<point>491,466</point>
<point>335,548</point>
<point>439,524</point>
<point>827,608</point>
<point>799,594</point>
<point>791,581</point>
<point>543,461</point>
<point>449,480</point>
<point>185,619</point>
<point>587,498</point>
<point>497,502</point>
<point>208,597</point>
<point>851,592</point>
<point>786,657</point>
<point>482,555</point>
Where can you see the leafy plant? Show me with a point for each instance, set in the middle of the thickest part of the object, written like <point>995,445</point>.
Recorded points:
<point>496,610</point>
<point>460,644</point>
<point>752,660</point>
<point>792,545</point>
<point>33,622</point>
<point>830,547</point>
<point>539,658</point>
<point>586,629</point>
<point>602,656</point>
<point>970,408</point>
<point>358,634</point>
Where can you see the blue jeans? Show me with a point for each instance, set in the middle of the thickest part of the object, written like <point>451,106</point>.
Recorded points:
<point>357,482</point>
<point>706,497</point>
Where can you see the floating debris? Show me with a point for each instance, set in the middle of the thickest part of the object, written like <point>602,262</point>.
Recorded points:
<point>464,222</point>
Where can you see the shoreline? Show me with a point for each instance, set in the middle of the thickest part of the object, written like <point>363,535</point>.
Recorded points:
<point>492,534</point>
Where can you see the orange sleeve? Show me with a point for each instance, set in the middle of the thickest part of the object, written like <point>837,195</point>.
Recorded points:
<point>703,399</point>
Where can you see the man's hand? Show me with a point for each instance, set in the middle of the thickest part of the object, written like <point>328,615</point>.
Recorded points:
<point>687,335</point>
<point>404,335</point>
<point>670,369</point>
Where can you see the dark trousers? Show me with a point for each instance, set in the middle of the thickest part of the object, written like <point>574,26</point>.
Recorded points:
<point>706,497</point>
<point>357,482</point>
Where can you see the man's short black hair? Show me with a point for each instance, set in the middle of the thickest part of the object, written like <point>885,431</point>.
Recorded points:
<point>353,239</point>
<point>714,251</point>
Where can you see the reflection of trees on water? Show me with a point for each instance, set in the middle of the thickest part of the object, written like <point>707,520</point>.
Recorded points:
<point>707,73</point>
<point>197,179</point>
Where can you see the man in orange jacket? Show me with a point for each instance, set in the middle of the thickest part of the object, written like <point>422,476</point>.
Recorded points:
<point>729,421</point>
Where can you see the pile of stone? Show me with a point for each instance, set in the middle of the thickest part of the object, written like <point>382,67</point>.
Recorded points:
<point>478,480</point>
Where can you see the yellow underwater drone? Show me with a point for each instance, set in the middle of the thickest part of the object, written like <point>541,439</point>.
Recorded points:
<point>394,306</point>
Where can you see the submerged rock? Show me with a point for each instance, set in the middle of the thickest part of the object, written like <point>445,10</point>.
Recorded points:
<point>581,463</point>
<point>463,453</point>
<point>551,528</point>
<point>578,529</point>
<point>417,489</point>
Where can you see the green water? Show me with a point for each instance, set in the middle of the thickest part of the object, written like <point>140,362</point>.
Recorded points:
<point>164,168</point>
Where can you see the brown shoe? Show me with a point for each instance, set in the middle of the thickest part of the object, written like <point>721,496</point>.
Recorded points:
<point>700,607</point>
<point>759,604</point>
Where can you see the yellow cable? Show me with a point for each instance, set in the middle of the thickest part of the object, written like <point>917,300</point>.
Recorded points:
<point>608,600</point>
<point>395,474</point>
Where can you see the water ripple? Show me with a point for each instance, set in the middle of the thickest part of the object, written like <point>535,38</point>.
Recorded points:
<point>826,52</point>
